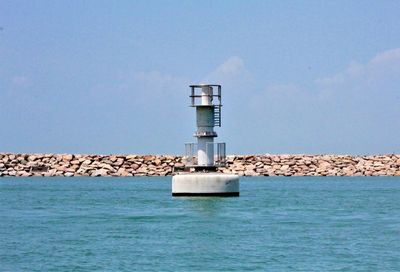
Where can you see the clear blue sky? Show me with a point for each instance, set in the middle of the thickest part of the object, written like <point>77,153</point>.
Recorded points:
<point>112,76</point>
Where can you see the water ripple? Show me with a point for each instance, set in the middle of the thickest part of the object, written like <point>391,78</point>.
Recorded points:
<point>277,224</point>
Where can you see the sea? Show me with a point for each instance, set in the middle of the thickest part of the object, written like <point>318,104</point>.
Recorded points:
<point>134,224</point>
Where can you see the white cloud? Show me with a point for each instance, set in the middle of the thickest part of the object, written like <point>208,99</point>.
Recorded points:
<point>386,56</point>
<point>353,71</point>
<point>231,67</point>
<point>231,71</point>
<point>383,66</point>
<point>353,111</point>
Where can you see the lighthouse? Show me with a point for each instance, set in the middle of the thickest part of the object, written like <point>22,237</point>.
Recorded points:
<point>200,176</point>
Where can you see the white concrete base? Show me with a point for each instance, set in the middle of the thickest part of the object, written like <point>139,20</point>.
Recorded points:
<point>205,184</point>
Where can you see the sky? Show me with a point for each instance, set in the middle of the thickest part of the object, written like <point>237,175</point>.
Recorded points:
<point>112,77</point>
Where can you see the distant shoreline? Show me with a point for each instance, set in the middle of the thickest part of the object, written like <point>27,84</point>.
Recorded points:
<point>69,165</point>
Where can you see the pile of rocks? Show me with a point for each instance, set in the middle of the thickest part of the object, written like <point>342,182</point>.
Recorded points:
<point>154,165</point>
<point>86,165</point>
<point>313,165</point>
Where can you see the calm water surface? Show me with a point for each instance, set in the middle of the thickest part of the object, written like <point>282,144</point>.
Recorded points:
<point>133,224</point>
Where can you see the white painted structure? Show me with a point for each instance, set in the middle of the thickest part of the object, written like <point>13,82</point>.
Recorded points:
<point>205,128</point>
<point>205,184</point>
<point>200,177</point>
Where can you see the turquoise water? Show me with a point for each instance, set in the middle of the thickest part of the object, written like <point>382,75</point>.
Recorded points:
<point>133,224</point>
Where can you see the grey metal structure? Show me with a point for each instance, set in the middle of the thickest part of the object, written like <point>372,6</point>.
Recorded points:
<point>205,155</point>
<point>217,106</point>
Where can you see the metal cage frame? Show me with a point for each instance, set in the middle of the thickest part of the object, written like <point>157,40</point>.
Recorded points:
<point>191,150</point>
<point>194,95</point>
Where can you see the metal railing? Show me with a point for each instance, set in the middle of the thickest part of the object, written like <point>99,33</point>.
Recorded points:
<point>191,151</point>
<point>220,155</point>
<point>195,95</point>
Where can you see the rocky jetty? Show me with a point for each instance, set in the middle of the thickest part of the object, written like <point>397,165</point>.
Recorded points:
<point>313,165</point>
<point>26,165</point>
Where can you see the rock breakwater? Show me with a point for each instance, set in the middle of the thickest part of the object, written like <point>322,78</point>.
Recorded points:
<point>26,165</point>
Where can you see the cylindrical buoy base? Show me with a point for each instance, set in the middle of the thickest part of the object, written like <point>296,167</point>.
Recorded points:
<point>205,184</point>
